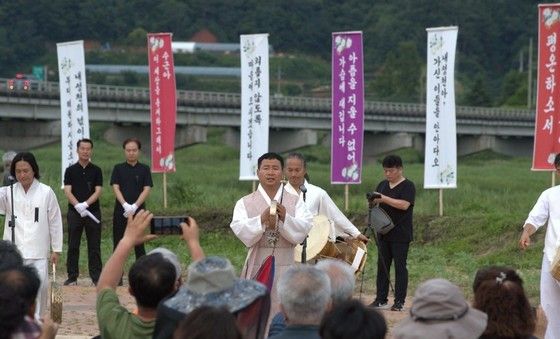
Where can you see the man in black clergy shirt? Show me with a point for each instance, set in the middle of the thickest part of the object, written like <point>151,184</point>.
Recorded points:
<point>82,186</point>
<point>131,182</point>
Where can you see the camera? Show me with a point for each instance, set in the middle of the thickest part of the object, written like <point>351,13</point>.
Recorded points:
<point>167,225</point>
<point>372,195</point>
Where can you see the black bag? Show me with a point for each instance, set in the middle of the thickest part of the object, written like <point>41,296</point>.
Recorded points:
<point>380,220</point>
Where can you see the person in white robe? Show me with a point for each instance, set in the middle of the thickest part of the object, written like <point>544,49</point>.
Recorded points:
<point>270,234</point>
<point>547,212</point>
<point>38,221</point>
<point>317,200</point>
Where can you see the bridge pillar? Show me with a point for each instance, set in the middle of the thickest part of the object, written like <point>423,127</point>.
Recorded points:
<point>381,143</point>
<point>288,140</point>
<point>25,135</point>
<point>278,140</point>
<point>512,146</point>
<point>184,135</point>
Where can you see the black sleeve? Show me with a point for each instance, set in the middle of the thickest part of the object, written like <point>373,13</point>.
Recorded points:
<point>409,192</point>
<point>148,180</point>
<point>67,177</point>
<point>98,177</point>
<point>115,176</point>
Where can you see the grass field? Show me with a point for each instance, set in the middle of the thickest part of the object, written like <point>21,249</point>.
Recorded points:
<point>481,223</point>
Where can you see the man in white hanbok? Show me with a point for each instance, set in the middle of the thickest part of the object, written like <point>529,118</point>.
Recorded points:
<point>265,233</point>
<point>317,200</point>
<point>547,211</point>
<point>38,222</point>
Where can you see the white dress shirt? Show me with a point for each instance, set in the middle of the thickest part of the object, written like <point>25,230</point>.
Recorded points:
<point>38,219</point>
<point>319,202</point>
<point>546,208</point>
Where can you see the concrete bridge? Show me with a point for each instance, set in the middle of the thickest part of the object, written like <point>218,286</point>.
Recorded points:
<point>34,117</point>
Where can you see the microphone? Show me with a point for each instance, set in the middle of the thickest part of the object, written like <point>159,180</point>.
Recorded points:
<point>303,188</point>
<point>11,179</point>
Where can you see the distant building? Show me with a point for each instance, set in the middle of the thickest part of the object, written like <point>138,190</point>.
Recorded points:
<point>204,36</point>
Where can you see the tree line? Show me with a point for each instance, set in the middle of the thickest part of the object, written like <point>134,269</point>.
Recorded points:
<point>492,46</point>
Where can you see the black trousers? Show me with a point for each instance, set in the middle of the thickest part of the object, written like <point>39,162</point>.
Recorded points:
<point>76,226</point>
<point>397,252</point>
<point>119,225</point>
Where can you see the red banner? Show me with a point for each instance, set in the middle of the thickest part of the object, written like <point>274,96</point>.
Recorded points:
<point>163,103</point>
<point>547,118</point>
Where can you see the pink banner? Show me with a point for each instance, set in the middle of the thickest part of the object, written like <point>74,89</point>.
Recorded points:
<point>163,103</point>
<point>347,130</point>
<point>547,129</point>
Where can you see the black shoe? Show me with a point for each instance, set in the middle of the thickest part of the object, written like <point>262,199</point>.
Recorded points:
<point>380,305</point>
<point>398,306</point>
<point>71,281</point>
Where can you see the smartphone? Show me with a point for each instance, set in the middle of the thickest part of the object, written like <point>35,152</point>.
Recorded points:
<point>167,225</point>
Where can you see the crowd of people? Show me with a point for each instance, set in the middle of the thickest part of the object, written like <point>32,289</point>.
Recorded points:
<point>272,297</point>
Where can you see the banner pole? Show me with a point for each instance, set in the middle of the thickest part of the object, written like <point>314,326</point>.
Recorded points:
<point>440,202</point>
<point>346,197</point>
<point>164,189</point>
<point>553,180</point>
<point>254,186</point>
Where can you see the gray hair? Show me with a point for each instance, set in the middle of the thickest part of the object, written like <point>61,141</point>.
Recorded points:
<point>305,294</point>
<point>8,157</point>
<point>342,278</point>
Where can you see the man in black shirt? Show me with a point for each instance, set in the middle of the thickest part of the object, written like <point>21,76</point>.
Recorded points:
<point>82,186</point>
<point>397,199</point>
<point>131,182</point>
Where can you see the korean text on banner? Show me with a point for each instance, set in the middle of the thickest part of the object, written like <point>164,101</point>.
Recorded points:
<point>547,128</point>
<point>440,164</point>
<point>163,103</point>
<point>347,132</point>
<point>254,103</point>
<point>74,116</point>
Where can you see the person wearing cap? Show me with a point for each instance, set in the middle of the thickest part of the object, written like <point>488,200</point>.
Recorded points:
<point>212,282</point>
<point>266,231</point>
<point>317,200</point>
<point>151,278</point>
<point>547,211</point>
<point>396,198</point>
<point>439,311</point>
<point>83,182</point>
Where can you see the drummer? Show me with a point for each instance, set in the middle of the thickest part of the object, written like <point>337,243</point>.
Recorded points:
<point>317,200</point>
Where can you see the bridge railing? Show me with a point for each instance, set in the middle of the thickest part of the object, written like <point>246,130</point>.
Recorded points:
<point>95,92</point>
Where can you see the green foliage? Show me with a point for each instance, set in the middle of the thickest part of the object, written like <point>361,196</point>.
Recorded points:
<point>399,77</point>
<point>488,44</point>
<point>480,226</point>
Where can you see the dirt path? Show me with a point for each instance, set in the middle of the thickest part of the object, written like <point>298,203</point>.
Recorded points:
<point>78,313</point>
<point>80,321</point>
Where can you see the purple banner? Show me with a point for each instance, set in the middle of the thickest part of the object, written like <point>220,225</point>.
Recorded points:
<point>347,130</point>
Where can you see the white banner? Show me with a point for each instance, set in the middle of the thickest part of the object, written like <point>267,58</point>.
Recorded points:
<point>74,117</point>
<point>440,160</point>
<point>254,103</point>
